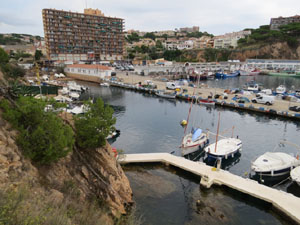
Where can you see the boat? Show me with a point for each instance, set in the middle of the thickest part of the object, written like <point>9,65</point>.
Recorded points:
<point>74,95</point>
<point>227,75</point>
<point>252,86</point>
<point>249,72</point>
<point>285,73</point>
<point>165,94</point>
<point>274,164</point>
<point>78,110</point>
<point>207,102</point>
<point>281,89</point>
<point>295,175</point>
<point>114,134</point>
<point>104,84</point>
<point>223,149</point>
<point>194,141</point>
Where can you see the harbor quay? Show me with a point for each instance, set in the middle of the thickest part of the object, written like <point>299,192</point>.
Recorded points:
<point>286,203</point>
<point>279,108</point>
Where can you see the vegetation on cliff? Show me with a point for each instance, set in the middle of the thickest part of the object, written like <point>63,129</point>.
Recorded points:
<point>51,137</point>
<point>264,35</point>
<point>94,126</point>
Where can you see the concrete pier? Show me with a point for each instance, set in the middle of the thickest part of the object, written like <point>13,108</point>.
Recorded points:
<point>285,202</point>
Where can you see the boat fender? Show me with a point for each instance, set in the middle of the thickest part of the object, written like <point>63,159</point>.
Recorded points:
<point>297,157</point>
<point>115,152</point>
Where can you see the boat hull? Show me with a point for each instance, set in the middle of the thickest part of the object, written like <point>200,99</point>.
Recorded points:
<point>206,102</point>
<point>211,156</point>
<point>193,147</point>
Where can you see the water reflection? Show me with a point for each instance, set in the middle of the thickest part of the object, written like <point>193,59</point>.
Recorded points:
<point>165,195</point>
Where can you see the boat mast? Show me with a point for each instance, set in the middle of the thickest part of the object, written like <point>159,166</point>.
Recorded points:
<point>217,132</point>
<point>187,121</point>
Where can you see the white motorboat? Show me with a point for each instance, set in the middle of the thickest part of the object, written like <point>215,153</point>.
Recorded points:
<point>64,91</point>
<point>274,164</point>
<point>281,89</point>
<point>295,175</point>
<point>74,95</point>
<point>165,94</point>
<point>226,148</point>
<point>73,86</point>
<point>104,84</point>
<point>194,141</point>
<point>113,134</point>
<point>61,98</point>
<point>78,110</point>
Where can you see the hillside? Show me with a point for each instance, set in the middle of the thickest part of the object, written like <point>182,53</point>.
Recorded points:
<point>85,187</point>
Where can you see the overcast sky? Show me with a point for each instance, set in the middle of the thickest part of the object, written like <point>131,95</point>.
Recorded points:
<point>214,16</point>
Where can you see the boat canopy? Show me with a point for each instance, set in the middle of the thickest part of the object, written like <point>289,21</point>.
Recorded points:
<point>196,134</point>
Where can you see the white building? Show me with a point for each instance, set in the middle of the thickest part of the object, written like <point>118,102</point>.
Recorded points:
<point>98,71</point>
<point>230,39</point>
<point>280,64</point>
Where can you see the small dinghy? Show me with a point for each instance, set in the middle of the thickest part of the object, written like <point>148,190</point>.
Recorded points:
<point>274,164</point>
<point>114,134</point>
<point>206,102</point>
<point>165,94</point>
<point>295,175</point>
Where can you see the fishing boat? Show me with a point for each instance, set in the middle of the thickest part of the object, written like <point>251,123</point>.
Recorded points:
<point>104,84</point>
<point>281,89</point>
<point>252,86</point>
<point>249,72</point>
<point>227,75</point>
<point>165,94</point>
<point>194,141</point>
<point>223,149</point>
<point>285,73</point>
<point>295,175</point>
<point>207,102</point>
<point>274,164</point>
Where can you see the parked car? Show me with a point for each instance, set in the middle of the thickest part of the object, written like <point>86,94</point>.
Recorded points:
<point>172,86</point>
<point>264,99</point>
<point>295,108</point>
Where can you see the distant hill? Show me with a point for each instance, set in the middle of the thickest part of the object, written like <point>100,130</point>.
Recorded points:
<point>16,39</point>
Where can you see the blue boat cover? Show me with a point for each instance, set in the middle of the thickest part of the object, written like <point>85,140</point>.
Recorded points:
<point>197,132</point>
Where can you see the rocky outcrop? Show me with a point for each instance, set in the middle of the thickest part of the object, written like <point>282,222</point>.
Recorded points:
<point>90,174</point>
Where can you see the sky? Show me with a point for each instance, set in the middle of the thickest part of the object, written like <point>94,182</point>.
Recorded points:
<point>214,16</point>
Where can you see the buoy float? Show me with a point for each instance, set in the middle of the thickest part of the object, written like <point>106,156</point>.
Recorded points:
<point>115,152</point>
<point>183,123</point>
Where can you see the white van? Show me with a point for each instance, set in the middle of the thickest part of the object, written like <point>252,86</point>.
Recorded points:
<point>264,99</point>
<point>172,85</point>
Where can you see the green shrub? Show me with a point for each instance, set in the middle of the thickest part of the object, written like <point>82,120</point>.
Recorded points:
<point>43,136</point>
<point>94,126</point>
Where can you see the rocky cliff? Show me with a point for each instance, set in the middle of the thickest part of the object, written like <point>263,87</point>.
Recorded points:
<point>279,50</point>
<point>94,174</point>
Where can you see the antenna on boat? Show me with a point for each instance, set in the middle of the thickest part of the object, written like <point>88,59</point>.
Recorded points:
<point>217,132</point>
<point>232,131</point>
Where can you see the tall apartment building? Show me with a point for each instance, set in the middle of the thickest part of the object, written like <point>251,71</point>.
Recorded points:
<point>90,35</point>
<point>277,22</point>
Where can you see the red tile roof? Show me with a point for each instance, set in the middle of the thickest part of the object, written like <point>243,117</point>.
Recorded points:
<point>87,66</point>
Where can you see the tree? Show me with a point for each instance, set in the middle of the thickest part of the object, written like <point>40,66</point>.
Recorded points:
<point>38,54</point>
<point>12,70</point>
<point>95,125</point>
<point>43,136</point>
<point>150,35</point>
<point>3,56</point>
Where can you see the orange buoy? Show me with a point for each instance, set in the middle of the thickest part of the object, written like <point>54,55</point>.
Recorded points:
<point>115,152</point>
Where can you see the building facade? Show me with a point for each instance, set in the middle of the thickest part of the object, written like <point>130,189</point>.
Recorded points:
<point>277,22</point>
<point>229,40</point>
<point>88,72</point>
<point>274,64</point>
<point>71,36</point>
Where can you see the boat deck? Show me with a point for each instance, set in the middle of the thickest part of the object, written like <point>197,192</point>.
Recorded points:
<point>285,202</point>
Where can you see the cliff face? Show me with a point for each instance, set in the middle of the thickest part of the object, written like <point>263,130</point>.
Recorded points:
<point>279,50</point>
<point>95,174</point>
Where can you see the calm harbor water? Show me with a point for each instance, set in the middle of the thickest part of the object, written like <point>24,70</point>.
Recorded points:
<point>167,196</point>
